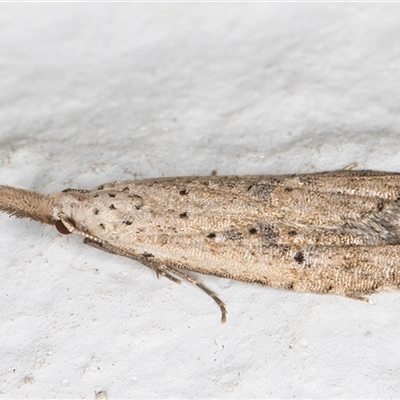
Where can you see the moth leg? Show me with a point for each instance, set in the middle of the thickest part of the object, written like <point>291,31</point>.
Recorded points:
<point>195,281</point>
<point>163,270</point>
<point>357,297</point>
<point>350,167</point>
<point>114,250</point>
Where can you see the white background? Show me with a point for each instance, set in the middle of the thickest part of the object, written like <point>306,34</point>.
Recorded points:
<point>91,93</point>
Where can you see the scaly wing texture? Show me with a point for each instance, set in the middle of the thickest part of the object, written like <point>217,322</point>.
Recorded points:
<point>334,232</point>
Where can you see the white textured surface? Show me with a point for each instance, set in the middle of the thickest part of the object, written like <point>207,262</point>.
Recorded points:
<point>91,93</point>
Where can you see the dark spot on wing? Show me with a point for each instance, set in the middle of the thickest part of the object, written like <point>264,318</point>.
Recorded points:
<point>306,181</point>
<point>147,255</point>
<point>112,207</point>
<point>76,190</point>
<point>268,234</point>
<point>252,231</point>
<point>261,190</point>
<point>299,257</point>
<point>183,215</point>
<point>236,236</point>
<point>96,211</point>
<point>289,286</point>
<point>211,235</point>
<point>111,194</point>
<point>137,200</point>
<point>183,192</point>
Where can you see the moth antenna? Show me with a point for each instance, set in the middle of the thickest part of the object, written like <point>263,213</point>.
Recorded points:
<point>21,203</point>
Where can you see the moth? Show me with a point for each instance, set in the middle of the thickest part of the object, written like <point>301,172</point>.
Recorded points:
<point>331,232</point>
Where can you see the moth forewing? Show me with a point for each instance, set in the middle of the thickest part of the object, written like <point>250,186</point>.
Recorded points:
<point>333,232</point>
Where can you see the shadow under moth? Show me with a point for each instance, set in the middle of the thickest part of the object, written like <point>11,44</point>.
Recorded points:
<point>331,232</point>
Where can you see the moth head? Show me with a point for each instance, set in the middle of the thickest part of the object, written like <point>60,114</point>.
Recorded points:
<point>70,211</point>
<point>97,214</point>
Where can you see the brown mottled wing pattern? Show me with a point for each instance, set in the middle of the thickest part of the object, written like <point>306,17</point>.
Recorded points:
<point>334,232</point>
